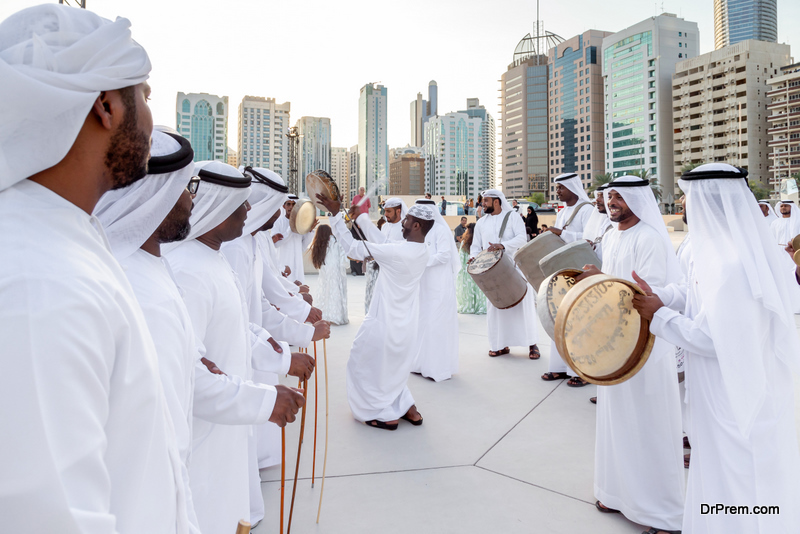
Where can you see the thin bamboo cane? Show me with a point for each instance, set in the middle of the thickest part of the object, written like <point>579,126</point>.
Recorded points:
<point>316,409</point>
<point>304,384</point>
<point>283,471</point>
<point>325,456</point>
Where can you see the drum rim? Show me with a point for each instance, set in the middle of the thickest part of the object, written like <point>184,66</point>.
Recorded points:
<point>502,252</point>
<point>323,180</point>
<point>300,204</point>
<point>644,344</point>
<point>542,300</point>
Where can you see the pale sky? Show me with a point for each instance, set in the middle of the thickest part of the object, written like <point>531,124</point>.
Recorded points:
<point>317,54</point>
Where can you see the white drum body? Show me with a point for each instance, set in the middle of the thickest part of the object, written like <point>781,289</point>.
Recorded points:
<point>301,221</point>
<point>495,274</point>
<point>528,256</point>
<point>572,256</point>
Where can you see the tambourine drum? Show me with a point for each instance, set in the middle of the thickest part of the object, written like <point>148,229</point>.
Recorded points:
<point>320,182</point>
<point>599,334</point>
<point>572,256</point>
<point>552,291</point>
<point>303,216</point>
<point>494,274</point>
<point>528,256</point>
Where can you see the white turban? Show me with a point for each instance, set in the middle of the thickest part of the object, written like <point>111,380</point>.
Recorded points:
<point>744,286</point>
<point>54,62</point>
<point>770,216</point>
<point>130,215</point>
<point>268,192</point>
<point>640,199</point>
<point>438,220</point>
<point>496,193</point>
<point>222,190</point>
<point>573,182</point>
<point>395,202</point>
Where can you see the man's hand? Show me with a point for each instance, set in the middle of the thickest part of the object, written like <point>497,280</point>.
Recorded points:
<point>287,404</point>
<point>649,303</point>
<point>275,346</point>
<point>470,260</point>
<point>556,231</point>
<point>588,270</point>
<point>316,222</point>
<point>322,330</point>
<point>307,297</point>
<point>277,237</point>
<point>212,367</point>
<point>333,206</point>
<point>304,289</point>
<point>286,271</point>
<point>302,365</point>
<point>495,246</point>
<point>314,315</point>
<point>298,283</point>
<point>354,212</point>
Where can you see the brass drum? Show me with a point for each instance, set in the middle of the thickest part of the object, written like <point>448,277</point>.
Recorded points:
<point>320,182</point>
<point>572,256</point>
<point>551,293</point>
<point>494,273</point>
<point>303,216</point>
<point>598,332</point>
<point>528,256</point>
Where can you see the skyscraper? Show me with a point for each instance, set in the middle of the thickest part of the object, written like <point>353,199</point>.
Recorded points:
<point>373,150</point>
<point>739,20</point>
<point>203,120</point>
<point>638,63</point>
<point>315,147</point>
<point>262,134</point>
<point>340,170</point>
<point>421,111</point>
<point>575,94</point>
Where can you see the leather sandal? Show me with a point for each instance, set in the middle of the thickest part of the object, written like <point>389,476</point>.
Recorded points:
<point>418,422</point>
<point>549,377</point>
<point>605,509</point>
<point>534,353</point>
<point>495,353</point>
<point>381,424</point>
<point>577,382</point>
<point>654,530</point>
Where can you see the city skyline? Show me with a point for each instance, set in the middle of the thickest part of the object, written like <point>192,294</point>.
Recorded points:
<point>233,67</point>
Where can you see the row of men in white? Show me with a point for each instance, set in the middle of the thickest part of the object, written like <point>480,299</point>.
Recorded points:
<point>116,426</point>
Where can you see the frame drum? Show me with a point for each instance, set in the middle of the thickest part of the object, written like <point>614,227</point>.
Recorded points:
<point>528,256</point>
<point>572,256</point>
<point>303,216</point>
<point>494,273</point>
<point>551,293</point>
<point>796,246</point>
<point>320,182</point>
<point>599,334</point>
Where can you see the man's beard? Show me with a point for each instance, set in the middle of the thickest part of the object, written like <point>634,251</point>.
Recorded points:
<point>684,218</point>
<point>129,148</point>
<point>488,209</point>
<point>601,208</point>
<point>176,226</point>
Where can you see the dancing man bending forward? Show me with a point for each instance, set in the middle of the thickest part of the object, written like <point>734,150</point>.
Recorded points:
<point>383,351</point>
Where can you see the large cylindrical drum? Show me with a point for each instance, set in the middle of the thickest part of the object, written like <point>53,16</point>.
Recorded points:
<point>494,274</point>
<point>552,291</point>
<point>572,256</point>
<point>598,332</point>
<point>303,215</point>
<point>528,256</point>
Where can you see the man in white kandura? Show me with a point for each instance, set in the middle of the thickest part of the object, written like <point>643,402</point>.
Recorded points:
<point>571,223</point>
<point>224,470</point>
<point>741,349</point>
<point>639,450</point>
<point>291,246</point>
<point>394,211</point>
<point>138,219</point>
<point>517,326</point>
<point>766,209</point>
<point>598,224</point>
<point>786,225</point>
<point>383,350</point>
<point>245,257</point>
<point>88,444</point>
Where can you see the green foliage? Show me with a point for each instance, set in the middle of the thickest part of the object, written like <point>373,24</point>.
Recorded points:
<point>538,198</point>
<point>600,179</point>
<point>654,185</point>
<point>759,192</point>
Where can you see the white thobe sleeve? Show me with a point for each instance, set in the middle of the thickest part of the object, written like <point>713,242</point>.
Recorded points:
<point>649,262</point>
<point>281,227</point>
<point>285,328</point>
<point>673,296</point>
<point>371,231</point>
<point>692,335</point>
<point>575,229</point>
<point>264,357</point>
<point>353,248</point>
<point>291,305</point>
<point>230,400</point>
<point>440,255</point>
<point>477,241</point>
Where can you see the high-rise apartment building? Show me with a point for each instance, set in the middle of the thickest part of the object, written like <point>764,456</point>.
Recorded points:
<point>784,122</point>
<point>373,150</point>
<point>638,64</point>
<point>421,111</point>
<point>455,154</point>
<point>340,169</point>
<point>263,125</point>
<point>315,147</point>
<point>407,172</point>
<point>203,120</point>
<point>233,157</point>
<point>486,177</point>
<point>575,99</point>
<point>740,20</point>
<point>352,168</point>
<point>720,107</point>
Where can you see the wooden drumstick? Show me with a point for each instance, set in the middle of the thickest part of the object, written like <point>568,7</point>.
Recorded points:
<point>283,471</point>
<point>325,456</point>
<point>316,407</point>
<point>243,527</point>
<point>299,448</point>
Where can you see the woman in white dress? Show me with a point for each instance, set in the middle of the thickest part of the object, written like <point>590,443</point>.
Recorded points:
<point>327,256</point>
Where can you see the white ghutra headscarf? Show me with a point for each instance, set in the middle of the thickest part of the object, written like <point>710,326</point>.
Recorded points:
<point>55,61</point>
<point>496,193</point>
<point>746,291</point>
<point>268,192</point>
<point>573,182</point>
<point>395,202</point>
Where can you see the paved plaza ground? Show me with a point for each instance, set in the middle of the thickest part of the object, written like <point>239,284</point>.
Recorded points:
<point>500,451</point>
